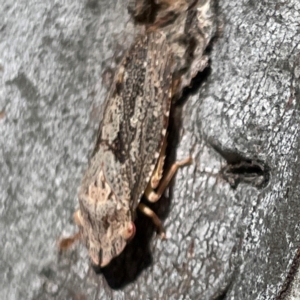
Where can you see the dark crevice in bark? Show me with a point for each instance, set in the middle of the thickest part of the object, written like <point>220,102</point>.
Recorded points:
<point>194,87</point>
<point>246,171</point>
<point>240,169</point>
<point>286,288</point>
<point>94,6</point>
<point>222,297</point>
<point>223,293</point>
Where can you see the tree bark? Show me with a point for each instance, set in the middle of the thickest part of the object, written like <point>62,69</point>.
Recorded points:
<point>232,218</point>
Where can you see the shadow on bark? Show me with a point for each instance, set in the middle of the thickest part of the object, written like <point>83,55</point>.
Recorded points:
<point>137,255</point>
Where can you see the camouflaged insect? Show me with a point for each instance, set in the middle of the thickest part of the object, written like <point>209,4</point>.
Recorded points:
<point>129,155</point>
<point>130,144</point>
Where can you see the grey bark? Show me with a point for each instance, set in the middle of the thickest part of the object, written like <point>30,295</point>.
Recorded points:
<point>223,242</point>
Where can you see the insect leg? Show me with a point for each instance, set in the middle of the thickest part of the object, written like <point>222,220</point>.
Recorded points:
<point>153,196</point>
<point>66,243</point>
<point>150,213</point>
<point>157,174</point>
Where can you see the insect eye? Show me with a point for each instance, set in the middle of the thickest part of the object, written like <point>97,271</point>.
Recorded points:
<point>129,232</point>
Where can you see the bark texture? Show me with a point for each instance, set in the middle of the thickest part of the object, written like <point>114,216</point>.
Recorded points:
<point>237,241</point>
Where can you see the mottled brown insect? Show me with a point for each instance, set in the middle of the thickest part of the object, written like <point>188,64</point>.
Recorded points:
<point>130,150</point>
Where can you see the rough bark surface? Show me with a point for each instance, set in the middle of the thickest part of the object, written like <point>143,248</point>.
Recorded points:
<point>223,243</point>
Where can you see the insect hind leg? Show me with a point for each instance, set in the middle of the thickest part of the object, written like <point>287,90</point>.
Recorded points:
<point>154,196</point>
<point>151,214</point>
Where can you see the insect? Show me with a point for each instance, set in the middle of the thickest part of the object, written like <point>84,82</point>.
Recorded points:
<point>130,149</point>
